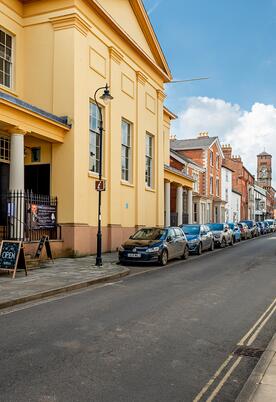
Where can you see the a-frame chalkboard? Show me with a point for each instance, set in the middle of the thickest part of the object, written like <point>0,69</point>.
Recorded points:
<point>12,257</point>
<point>44,241</point>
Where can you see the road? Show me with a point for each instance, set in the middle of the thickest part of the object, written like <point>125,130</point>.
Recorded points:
<point>157,336</point>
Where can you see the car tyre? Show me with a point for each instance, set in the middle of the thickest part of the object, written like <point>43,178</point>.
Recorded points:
<point>199,249</point>
<point>232,241</point>
<point>223,243</point>
<point>186,253</point>
<point>163,258</point>
<point>212,247</point>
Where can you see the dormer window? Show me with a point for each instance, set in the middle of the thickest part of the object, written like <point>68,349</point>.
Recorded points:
<point>6,42</point>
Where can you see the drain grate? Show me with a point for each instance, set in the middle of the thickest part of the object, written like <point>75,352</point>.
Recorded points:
<point>248,351</point>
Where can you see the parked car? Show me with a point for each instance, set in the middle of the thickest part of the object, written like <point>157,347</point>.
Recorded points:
<point>252,227</point>
<point>271,224</point>
<point>236,231</point>
<point>199,238</point>
<point>262,227</point>
<point>223,236</point>
<point>245,232</point>
<point>154,244</point>
<point>267,226</point>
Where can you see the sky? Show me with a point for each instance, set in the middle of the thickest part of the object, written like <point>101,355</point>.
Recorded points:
<point>233,43</point>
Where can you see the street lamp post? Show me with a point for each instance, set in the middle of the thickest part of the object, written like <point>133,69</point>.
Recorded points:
<point>106,97</point>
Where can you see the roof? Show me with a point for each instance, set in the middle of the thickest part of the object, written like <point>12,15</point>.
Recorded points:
<point>264,153</point>
<point>177,171</point>
<point>193,143</point>
<point>184,158</point>
<point>25,105</point>
<point>227,167</point>
<point>203,142</point>
<point>172,115</point>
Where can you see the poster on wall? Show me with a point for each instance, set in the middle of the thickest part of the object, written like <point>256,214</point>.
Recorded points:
<point>43,216</point>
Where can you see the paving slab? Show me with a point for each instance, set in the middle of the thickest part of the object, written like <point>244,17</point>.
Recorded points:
<point>65,274</point>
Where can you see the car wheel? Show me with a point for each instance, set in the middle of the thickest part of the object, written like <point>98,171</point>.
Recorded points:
<point>163,258</point>
<point>232,241</point>
<point>186,253</point>
<point>223,243</point>
<point>212,247</point>
<point>199,249</point>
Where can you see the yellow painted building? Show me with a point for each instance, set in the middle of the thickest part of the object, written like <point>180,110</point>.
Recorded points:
<point>54,55</point>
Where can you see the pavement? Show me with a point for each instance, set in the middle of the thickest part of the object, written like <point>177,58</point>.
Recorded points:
<point>64,275</point>
<point>261,385</point>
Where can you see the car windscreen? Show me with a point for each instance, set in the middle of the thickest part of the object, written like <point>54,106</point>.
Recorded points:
<point>216,226</point>
<point>249,224</point>
<point>190,229</point>
<point>149,234</point>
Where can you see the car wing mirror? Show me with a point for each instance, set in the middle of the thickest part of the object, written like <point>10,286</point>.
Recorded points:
<point>169,239</point>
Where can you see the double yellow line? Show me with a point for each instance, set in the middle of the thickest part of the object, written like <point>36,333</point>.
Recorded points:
<point>246,340</point>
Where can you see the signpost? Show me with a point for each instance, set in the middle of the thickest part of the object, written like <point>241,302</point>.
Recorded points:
<point>44,241</point>
<point>12,257</point>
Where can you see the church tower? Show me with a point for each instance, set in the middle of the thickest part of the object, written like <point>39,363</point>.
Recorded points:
<point>264,169</point>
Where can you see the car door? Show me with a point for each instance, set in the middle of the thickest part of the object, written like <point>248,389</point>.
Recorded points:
<point>203,237</point>
<point>180,242</point>
<point>171,243</point>
<point>209,237</point>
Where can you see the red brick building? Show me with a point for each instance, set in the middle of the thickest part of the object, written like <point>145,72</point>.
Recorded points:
<point>264,178</point>
<point>206,152</point>
<point>242,182</point>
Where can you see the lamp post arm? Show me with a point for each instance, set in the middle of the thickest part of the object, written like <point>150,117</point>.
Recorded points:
<point>95,99</point>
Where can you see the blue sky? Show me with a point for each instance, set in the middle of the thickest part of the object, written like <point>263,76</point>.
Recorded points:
<point>233,43</point>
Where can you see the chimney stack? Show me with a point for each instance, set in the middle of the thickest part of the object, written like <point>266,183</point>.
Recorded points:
<point>203,134</point>
<point>227,151</point>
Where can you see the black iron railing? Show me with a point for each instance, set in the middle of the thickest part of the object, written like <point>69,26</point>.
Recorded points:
<point>27,216</point>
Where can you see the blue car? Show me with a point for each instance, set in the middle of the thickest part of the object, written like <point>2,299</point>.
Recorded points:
<point>236,231</point>
<point>199,238</point>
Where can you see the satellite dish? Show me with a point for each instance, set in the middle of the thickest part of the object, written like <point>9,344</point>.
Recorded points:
<point>189,80</point>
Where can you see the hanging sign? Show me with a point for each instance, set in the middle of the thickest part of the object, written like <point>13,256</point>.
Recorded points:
<point>100,185</point>
<point>12,257</point>
<point>44,241</point>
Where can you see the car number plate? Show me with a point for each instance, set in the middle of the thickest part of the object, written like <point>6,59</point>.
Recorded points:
<point>134,255</point>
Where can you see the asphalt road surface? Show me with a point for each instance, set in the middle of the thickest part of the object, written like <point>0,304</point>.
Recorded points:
<point>169,334</point>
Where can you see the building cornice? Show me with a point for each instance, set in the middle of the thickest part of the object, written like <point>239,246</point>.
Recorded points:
<point>73,20</point>
<point>141,77</point>
<point>115,55</point>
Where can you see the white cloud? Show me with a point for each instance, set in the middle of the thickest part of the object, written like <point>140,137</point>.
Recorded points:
<point>154,7</point>
<point>249,132</point>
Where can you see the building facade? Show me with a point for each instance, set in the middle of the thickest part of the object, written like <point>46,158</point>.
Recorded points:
<point>264,180</point>
<point>226,192</point>
<point>56,55</point>
<point>260,198</point>
<point>206,152</point>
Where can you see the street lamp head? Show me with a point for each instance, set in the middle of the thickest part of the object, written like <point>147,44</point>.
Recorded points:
<point>106,96</point>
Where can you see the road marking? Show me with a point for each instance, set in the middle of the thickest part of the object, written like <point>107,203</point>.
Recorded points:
<point>215,376</point>
<point>252,335</point>
<point>252,329</point>
<point>224,379</point>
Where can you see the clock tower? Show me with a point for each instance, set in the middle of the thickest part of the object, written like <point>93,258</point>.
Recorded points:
<point>264,169</point>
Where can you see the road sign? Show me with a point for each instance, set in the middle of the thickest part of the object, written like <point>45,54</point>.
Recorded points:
<point>100,185</point>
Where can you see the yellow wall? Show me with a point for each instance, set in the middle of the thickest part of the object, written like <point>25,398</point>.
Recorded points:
<point>65,50</point>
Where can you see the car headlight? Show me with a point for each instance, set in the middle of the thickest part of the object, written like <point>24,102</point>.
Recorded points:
<point>152,249</point>
<point>193,241</point>
<point>121,248</point>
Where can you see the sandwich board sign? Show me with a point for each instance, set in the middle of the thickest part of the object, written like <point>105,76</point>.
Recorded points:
<point>44,241</point>
<point>12,257</point>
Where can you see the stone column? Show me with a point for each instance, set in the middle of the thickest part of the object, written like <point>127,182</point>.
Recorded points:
<point>168,203</point>
<point>190,206</point>
<point>179,204</point>
<point>16,184</point>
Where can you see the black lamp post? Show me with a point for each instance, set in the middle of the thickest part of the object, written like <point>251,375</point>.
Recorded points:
<point>106,97</point>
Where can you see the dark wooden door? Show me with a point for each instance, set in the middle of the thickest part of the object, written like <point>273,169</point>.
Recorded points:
<point>37,178</point>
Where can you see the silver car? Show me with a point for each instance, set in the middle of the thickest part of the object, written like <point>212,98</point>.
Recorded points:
<point>223,235</point>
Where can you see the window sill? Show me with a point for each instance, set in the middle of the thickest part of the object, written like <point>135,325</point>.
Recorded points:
<point>152,190</point>
<point>9,91</point>
<point>127,183</point>
<point>94,175</point>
